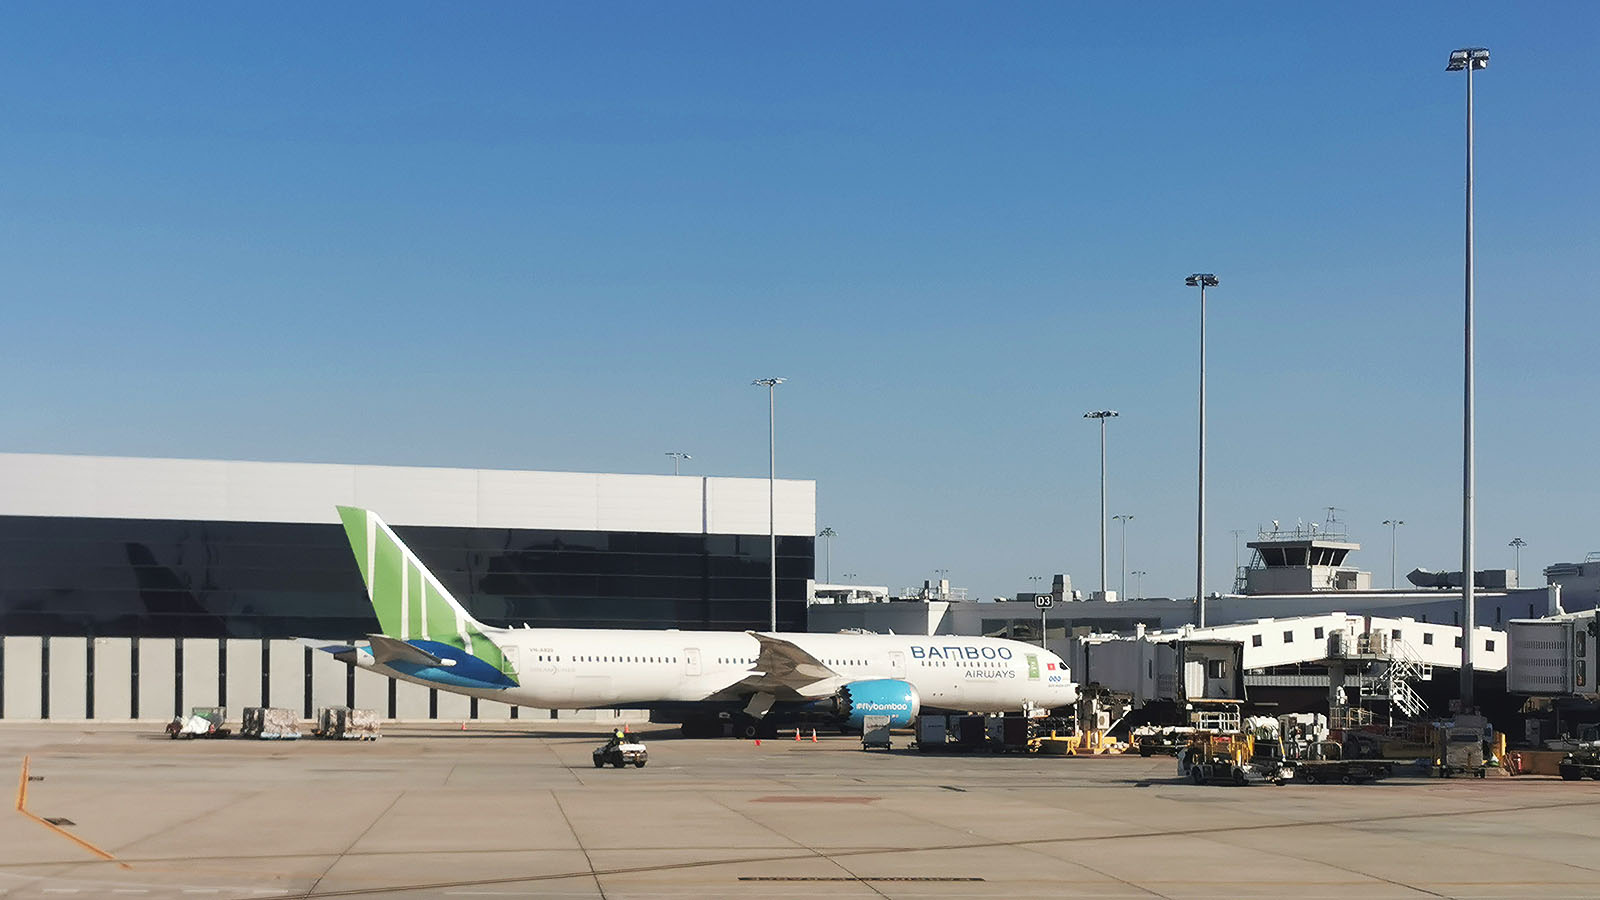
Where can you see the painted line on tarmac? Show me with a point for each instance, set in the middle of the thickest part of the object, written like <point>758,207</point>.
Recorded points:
<point>22,807</point>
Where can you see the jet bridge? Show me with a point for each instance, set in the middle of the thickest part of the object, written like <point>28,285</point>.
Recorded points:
<point>1163,667</point>
<point>1399,650</point>
<point>1556,656</point>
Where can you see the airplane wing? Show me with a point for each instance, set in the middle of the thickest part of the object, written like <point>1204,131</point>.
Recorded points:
<point>785,671</point>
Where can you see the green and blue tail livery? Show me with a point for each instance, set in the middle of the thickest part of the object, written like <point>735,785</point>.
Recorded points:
<point>413,607</point>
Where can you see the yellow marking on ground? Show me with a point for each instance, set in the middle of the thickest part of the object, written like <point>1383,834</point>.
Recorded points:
<point>22,807</point>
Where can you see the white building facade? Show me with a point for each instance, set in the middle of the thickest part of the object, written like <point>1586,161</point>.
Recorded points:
<point>136,588</point>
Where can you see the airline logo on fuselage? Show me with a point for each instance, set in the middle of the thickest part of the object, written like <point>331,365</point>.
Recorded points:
<point>956,651</point>
<point>873,706</point>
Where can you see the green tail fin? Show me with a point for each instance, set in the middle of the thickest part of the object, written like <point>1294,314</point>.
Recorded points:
<point>409,601</point>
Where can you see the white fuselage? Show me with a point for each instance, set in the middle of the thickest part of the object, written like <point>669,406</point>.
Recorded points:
<point>569,668</point>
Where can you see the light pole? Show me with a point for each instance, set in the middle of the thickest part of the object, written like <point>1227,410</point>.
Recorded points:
<point>677,458</point>
<point>771,384</point>
<point>1393,525</point>
<point>1516,546</point>
<point>1102,415</point>
<point>1238,580</point>
<point>827,534</point>
<point>1467,59</point>
<point>1122,586</point>
<point>1201,280</point>
<point>1138,582</point>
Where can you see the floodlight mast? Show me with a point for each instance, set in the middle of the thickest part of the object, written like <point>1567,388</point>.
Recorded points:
<point>677,457</point>
<point>827,534</point>
<point>1122,585</point>
<point>1467,59</point>
<point>1102,415</point>
<point>1394,525</point>
<point>1201,280</point>
<point>771,384</point>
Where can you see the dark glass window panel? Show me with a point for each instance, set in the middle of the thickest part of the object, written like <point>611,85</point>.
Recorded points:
<point>158,578</point>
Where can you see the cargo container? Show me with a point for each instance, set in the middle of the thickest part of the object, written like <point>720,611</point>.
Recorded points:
<point>269,723</point>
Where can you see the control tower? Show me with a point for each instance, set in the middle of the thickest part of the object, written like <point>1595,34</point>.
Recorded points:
<point>1308,558</point>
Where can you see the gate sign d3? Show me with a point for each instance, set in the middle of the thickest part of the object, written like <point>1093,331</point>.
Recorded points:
<point>1044,601</point>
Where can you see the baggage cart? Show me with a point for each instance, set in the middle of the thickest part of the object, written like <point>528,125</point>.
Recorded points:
<point>1343,771</point>
<point>202,722</point>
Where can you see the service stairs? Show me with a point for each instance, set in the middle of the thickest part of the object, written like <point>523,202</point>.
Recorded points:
<point>1394,683</point>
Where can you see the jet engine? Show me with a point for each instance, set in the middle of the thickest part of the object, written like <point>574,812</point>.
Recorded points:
<point>882,697</point>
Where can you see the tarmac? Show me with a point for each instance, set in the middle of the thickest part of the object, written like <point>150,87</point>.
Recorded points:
<point>518,810</point>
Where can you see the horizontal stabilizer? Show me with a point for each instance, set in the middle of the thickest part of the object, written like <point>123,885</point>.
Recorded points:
<point>334,647</point>
<point>386,649</point>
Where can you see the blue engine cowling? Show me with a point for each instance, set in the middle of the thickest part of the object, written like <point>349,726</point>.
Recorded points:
<point>883,697</point>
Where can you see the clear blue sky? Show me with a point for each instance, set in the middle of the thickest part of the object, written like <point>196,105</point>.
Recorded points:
<point>566,236</point>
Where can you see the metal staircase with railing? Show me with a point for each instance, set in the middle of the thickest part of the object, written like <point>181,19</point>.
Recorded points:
<point>1393,683</point>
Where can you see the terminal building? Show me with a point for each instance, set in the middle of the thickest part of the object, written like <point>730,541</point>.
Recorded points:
<point>1297,590</point>
<point>1299,572</point>
<point>135,588</point>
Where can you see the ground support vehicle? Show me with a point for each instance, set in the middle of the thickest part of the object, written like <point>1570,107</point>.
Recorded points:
<point>1459,748</point>
<point>1213,758</point>
<point>1582,762</point>
<point>620,755</point>
<point>1062,737</point>
<point>1343,771</point>
<point>202,722</point>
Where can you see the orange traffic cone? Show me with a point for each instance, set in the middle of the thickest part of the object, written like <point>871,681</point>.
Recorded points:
<point>797,735</point>
<point>813,735</point>
<point>463,724</point>
<point>758,742</point>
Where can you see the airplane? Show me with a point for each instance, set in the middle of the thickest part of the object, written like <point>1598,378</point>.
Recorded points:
<point>753,680</point>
